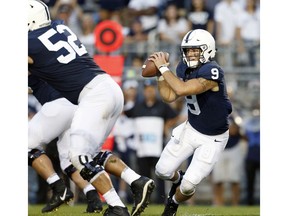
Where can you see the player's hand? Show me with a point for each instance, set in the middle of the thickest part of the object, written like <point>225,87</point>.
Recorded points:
<point>159,59</point>
<point>30,60</point>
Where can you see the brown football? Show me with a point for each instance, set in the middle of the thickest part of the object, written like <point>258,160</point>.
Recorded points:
<point>149,69</point>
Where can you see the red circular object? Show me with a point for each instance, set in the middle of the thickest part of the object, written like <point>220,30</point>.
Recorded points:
<point>108,36</point>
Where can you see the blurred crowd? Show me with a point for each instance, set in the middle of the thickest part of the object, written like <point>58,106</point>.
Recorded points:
<point>153,25</point>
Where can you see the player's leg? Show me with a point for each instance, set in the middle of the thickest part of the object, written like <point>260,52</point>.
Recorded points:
<point>205,156</point>
<point>43,166</point>
<point>92,196</point>
<point>175,152</point>
<point>53,118</point>
<point>100,101</point>
<point>141,186</point>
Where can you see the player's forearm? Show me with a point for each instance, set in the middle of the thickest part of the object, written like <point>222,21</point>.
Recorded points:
<point>166,93</point>
<point>175,83</point>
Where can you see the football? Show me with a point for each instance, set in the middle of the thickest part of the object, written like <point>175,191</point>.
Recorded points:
<point>149,69</point>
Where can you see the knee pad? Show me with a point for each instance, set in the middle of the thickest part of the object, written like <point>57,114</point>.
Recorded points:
<point>102,157</point>
<point>163,173</point>
<point>70,170</point>
<point>33,154</point>
<point>187,188</point>
<point>90,171</point>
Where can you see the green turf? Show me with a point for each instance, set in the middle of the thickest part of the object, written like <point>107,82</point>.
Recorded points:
<point>153,210</point>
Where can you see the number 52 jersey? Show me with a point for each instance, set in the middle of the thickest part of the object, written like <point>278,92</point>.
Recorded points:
<point>61,59</point>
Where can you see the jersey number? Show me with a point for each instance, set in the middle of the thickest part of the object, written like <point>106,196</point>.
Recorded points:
<point>191,100</point>
<point>70,45</point>
<point>193,105</point>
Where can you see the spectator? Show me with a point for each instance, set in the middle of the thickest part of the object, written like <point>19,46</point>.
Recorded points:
<point>146,10</point>
<point>87,35</point>
<point>171,29</point>
<point>112,10</point>
<point>69,11</point>
<point>136,32</point>
<point>200,16</point>
<point>151,118</point>
<point>248,34</point>
<point>229,168</point>
<point>226,14</point>
<point>252,160</point>
<point>211,4</point>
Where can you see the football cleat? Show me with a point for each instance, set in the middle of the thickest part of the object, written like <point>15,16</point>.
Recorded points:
<point>116,211</point>
<point>170,208</point>
<point>94,202</point>
<point>60,194</point>
<point>142,189</point>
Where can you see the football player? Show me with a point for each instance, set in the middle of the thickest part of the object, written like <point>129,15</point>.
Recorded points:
<point>205,133</point>
<point>53,120</point>
<point>62,61</point>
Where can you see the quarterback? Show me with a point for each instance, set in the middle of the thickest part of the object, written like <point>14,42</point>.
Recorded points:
<point>205,133</point>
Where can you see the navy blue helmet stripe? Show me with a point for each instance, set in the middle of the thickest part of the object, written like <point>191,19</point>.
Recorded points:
<point>46,10</point>
<point>186,39</point>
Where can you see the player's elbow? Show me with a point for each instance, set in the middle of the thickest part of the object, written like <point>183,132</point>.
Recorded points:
<point>169,98</point>
<point>180,91</point>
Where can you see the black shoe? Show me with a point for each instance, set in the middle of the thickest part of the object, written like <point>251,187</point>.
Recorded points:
<point>174,186</point>
<point>141,188</point>
<point>170,208</point>
<point>116,211</point>
<point>94,202</point>
<point>61,194</point>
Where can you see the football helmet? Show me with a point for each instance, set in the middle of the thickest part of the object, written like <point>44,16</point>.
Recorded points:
<point>38,15</point>
<point>201,39</point>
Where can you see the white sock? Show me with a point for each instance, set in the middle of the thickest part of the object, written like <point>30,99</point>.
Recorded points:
<point>129,175</point>
<point>89,187</point>
<point>112,198</point>
<point>53,178</point>
<point>174,199</point>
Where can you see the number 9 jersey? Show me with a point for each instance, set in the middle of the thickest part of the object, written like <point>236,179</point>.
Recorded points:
<point>52,48</point>
<point>207,112</point>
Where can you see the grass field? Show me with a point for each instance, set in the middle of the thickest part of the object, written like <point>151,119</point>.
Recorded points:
<point>153,210</point>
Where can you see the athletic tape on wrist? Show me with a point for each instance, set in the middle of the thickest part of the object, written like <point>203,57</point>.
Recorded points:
<point>163,69</point>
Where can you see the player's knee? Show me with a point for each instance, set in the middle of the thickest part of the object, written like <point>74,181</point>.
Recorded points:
<point>70,170</point>
<point>187,188</point>
<point>34,154</point>
<point>162,172</point>
<point>102,157</point>
<point>91,171</point>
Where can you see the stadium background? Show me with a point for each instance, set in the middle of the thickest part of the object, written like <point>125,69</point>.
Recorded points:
<point>243,80</point>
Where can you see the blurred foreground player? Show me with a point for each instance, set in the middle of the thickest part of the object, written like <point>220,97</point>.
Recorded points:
<point>54,120</point>
<point>62,61</point>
